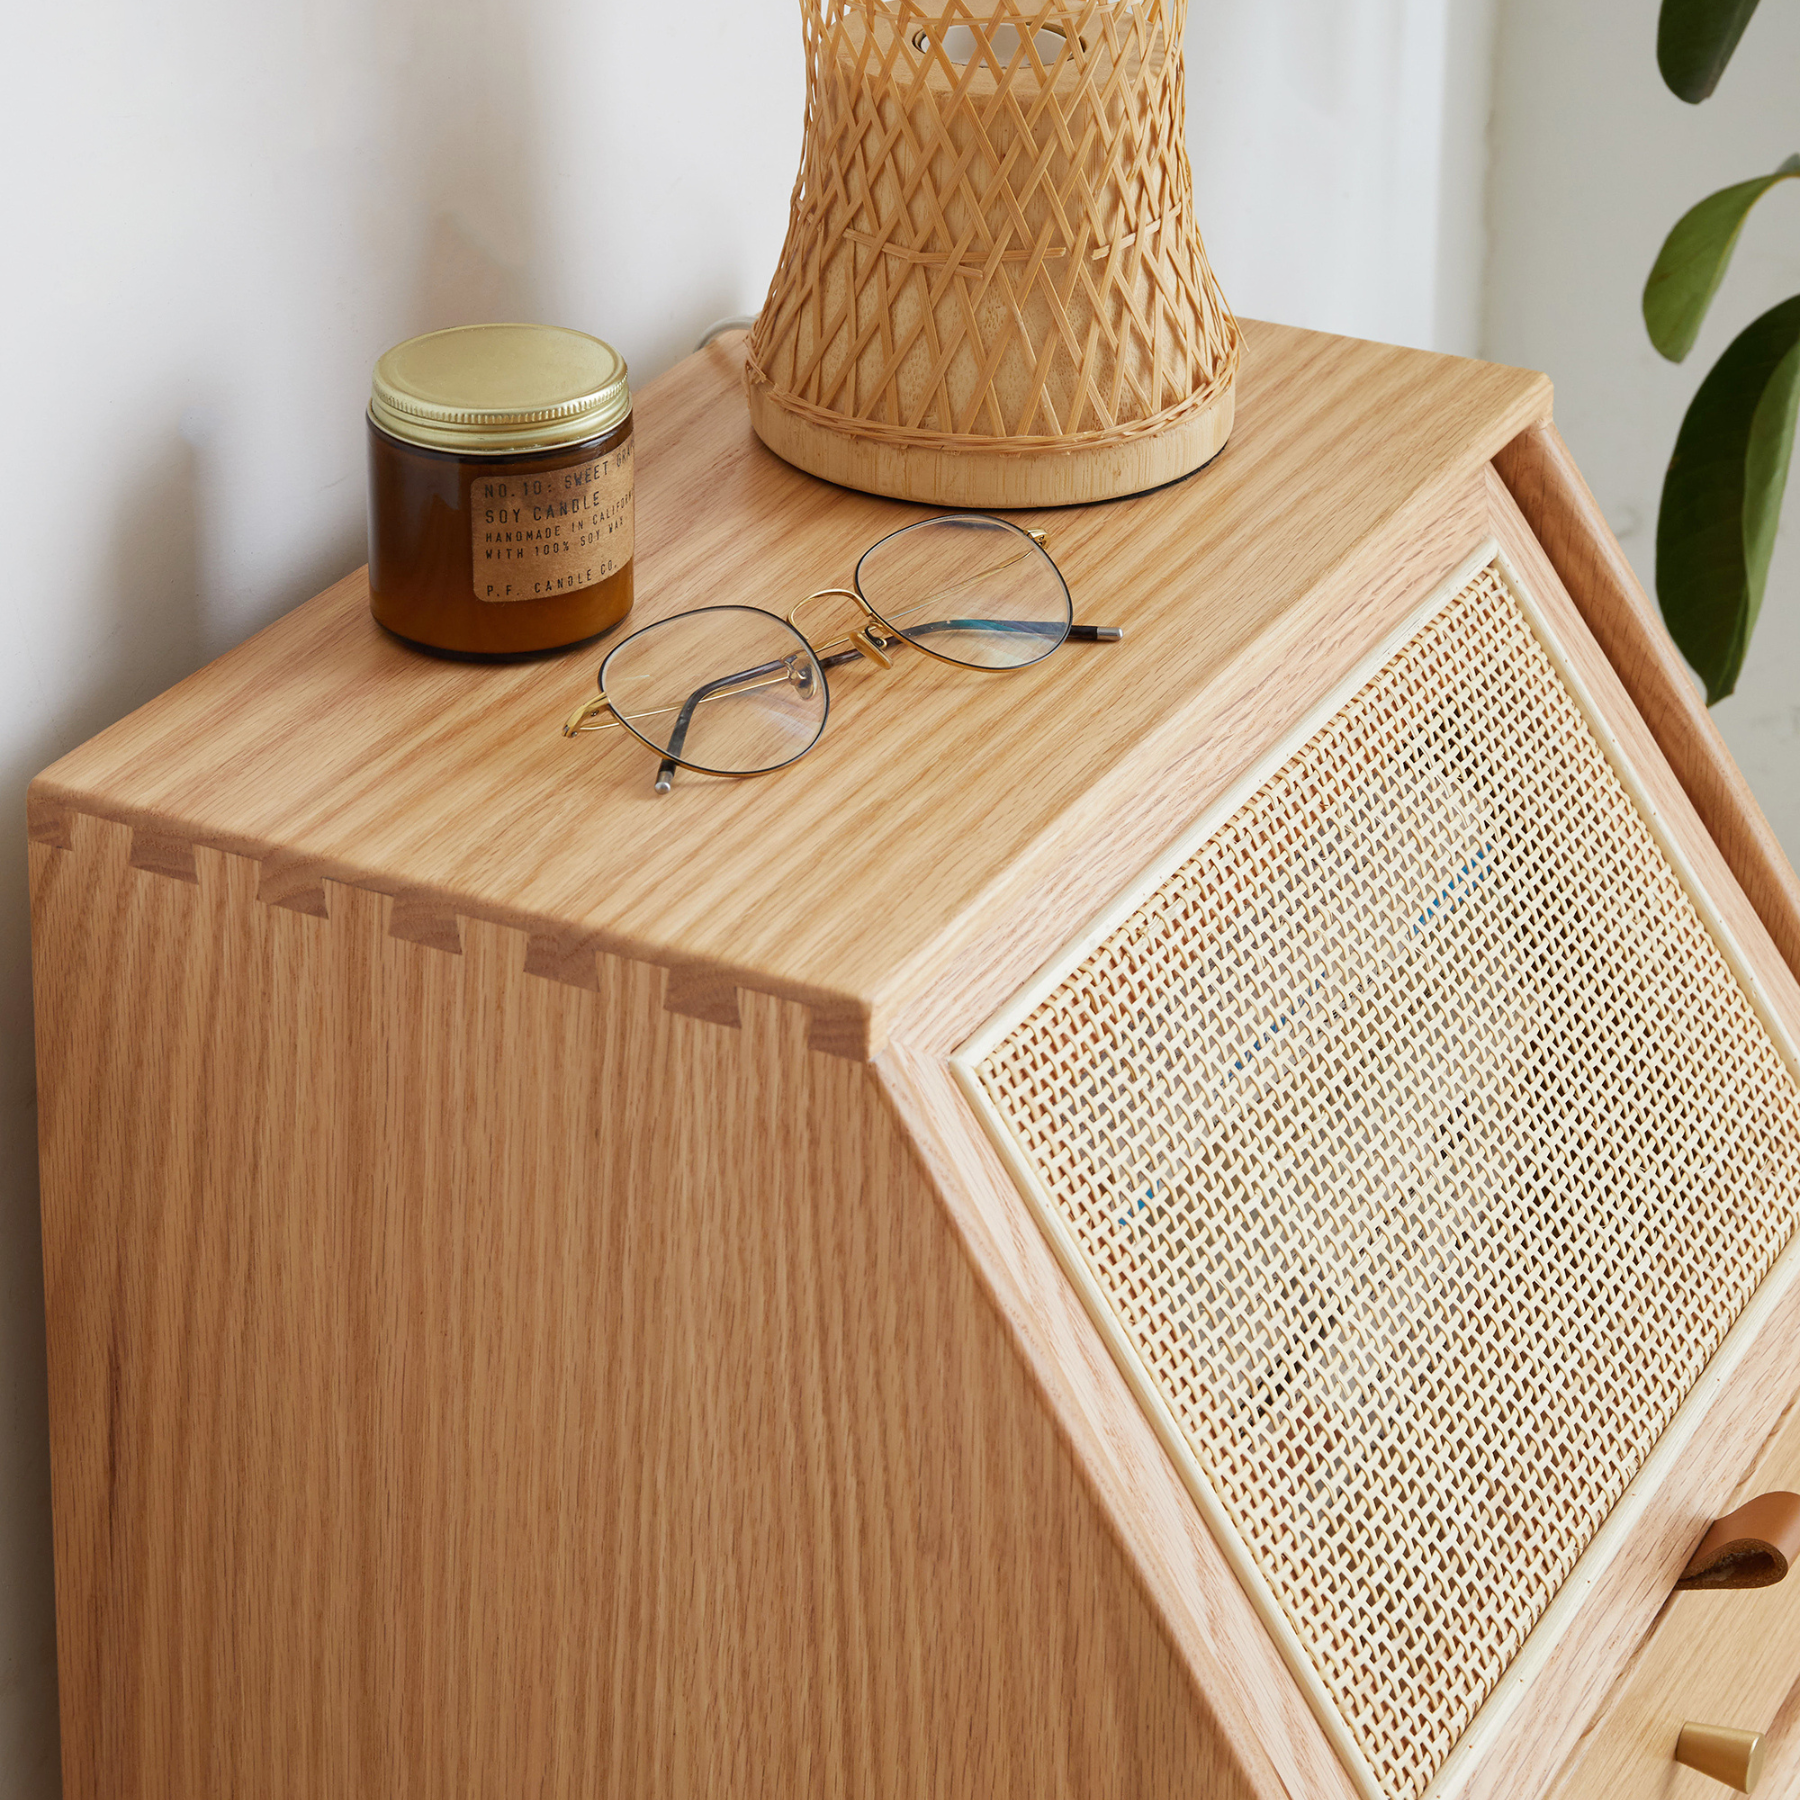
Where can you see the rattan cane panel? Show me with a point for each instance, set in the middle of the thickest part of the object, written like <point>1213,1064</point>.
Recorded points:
<point>1426,1148</point>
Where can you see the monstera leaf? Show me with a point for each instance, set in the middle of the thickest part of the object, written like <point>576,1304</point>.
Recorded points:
<point>1721,498</point>
<point>1694,42</point>
<point>1694,259</point>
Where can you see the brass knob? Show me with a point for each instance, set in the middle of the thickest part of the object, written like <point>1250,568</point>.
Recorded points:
<point>1733,1757</point>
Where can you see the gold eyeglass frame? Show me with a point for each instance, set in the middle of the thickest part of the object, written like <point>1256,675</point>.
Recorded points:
<point>866,641</point>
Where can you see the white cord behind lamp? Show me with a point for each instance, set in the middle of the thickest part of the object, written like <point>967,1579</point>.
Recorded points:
<point>718,328</point>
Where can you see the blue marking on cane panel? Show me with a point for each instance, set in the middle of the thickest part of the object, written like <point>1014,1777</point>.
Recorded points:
<point>1460,886</point>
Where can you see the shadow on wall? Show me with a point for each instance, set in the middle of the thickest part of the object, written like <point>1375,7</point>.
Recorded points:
<point>150,636</point>
<point>482,177</point>
<point>465,282</point>
<point>223,522</point>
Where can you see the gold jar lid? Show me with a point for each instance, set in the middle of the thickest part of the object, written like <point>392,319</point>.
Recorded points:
<point>491,389</point>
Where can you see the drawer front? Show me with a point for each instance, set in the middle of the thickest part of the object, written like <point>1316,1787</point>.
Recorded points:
<point>1417,1137</point>
<point>1719,1658</point>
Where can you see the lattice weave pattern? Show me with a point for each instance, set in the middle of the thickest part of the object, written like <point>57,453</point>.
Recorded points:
<point>1426,1148</point>
<point>997,251</point>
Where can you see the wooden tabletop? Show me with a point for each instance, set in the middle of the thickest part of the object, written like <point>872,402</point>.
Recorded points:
<point>327,751</point>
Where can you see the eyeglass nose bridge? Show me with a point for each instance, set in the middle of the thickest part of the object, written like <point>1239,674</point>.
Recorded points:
<point>863,637</point>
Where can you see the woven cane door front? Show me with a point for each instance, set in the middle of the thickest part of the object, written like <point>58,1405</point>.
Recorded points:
<point>1421,1144</point>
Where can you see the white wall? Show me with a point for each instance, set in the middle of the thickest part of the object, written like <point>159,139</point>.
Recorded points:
<point>222,212</point>
<point>1340,152</point>
<point>1593,161</point>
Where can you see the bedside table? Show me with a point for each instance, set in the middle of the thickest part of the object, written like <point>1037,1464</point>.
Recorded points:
<point>1211,1218</point>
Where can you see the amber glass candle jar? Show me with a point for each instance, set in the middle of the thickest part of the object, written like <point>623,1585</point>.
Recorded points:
<point>500,519</point>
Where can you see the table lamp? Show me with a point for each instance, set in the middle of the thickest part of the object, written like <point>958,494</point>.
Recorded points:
<point>993,292</point>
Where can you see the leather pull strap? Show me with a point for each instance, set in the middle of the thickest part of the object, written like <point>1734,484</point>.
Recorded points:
<point>1749,1548</point>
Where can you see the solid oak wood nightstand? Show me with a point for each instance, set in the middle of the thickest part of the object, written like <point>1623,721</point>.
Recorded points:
<point>1210,1218</point>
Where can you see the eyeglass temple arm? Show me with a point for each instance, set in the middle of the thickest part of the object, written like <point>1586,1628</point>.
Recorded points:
<point>665,773</point>
<point>1073,634</point>
<point>1076,634</point>
<point>577,721</point>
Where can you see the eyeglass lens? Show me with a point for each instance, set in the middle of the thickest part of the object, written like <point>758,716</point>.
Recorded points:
<point>969,588</point>
<point>731,690</point>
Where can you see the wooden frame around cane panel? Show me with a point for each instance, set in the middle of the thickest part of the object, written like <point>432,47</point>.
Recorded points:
<point>1460,772</point>
<point>504,1284</point>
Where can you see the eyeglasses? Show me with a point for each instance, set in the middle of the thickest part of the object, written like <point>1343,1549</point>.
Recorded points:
<point>735,690</point>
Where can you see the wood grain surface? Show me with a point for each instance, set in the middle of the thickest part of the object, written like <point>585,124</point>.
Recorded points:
<point>506,1338</point>
<point>324,750</point>
<point>427,1424</point>
<point>1184,1572</point>
<point>1720,1658</point>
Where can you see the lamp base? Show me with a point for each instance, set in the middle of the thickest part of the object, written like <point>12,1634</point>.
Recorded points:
<point>991,473</point>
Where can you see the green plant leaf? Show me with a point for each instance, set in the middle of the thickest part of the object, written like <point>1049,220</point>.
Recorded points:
<point>1694,259</point>
<point>1721,499</point>
<point>1694,42</point>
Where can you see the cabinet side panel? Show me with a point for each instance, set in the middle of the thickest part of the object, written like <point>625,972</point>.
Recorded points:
<point>1198,1596</point>
<point>466,1383</point>
<point>1549,491</point>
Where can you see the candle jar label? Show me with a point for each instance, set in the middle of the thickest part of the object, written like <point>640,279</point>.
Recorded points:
<point>534,536</point>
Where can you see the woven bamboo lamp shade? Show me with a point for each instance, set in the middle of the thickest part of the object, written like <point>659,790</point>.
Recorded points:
<point>993,292</point>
